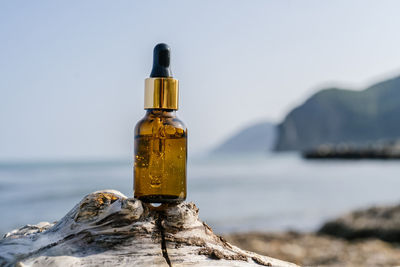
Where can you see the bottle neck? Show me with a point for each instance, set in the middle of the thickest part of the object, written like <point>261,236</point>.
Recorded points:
<point>161,112</point>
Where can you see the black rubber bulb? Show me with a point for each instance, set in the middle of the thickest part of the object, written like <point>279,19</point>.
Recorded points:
<point>161,60</point>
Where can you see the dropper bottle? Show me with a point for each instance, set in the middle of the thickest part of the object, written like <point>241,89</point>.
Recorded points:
<point>160,137</point>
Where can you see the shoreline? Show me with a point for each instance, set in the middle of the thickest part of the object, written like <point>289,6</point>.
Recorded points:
<point>312,249</point>
<point>367,237</point>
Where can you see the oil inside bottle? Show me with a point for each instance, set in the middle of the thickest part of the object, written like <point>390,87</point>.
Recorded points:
<point>160,162</point>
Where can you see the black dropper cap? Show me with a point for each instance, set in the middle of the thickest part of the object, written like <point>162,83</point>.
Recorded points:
<point>161,60</point>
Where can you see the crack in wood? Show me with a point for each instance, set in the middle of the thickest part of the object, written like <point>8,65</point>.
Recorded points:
<point>163,241</point>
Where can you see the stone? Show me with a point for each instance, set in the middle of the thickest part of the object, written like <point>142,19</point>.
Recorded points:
<point>375,222</point>
<point>310,249</point>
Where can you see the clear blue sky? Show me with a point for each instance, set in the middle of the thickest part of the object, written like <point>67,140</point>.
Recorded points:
<point>72,72</point>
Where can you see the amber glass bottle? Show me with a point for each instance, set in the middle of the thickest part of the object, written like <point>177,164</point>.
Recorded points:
<point>160,138</point>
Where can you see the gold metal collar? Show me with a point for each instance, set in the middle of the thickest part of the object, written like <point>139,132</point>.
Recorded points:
<point>161,93</point>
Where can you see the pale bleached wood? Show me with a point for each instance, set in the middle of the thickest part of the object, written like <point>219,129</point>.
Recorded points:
<point>108,229</point>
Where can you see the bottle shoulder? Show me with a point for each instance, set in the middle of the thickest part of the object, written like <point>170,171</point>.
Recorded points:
<point>162,126</point>
<point>178,123</point>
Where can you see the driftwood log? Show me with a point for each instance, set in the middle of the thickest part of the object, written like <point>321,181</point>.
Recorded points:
<point>108,229</point>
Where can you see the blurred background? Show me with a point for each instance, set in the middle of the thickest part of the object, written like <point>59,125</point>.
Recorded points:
<point>292,109</point>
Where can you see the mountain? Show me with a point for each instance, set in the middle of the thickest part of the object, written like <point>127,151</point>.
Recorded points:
<point>257,138</point>
<point>343,116</point>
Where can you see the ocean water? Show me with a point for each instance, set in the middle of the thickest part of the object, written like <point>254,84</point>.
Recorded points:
<point>263,193</point>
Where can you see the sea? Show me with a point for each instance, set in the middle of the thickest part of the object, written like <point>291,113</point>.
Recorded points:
<point>274,192</point>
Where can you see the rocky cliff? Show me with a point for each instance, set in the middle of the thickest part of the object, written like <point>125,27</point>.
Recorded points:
<point>335,115</point>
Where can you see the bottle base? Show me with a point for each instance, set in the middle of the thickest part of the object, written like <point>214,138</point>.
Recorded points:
<point>160,199</point>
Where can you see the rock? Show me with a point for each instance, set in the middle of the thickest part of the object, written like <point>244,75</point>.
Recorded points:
<point>335,116</point>
<point>309,249</point>
<point>108,229</point>
<point>376,222</point>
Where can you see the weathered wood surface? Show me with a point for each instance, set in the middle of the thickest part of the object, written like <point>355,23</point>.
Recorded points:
<point>108,229</point>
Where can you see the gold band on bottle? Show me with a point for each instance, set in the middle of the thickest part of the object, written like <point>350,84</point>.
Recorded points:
<point>161,93</point>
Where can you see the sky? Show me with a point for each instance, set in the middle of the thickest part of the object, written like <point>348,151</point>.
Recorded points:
<point>72,72</point>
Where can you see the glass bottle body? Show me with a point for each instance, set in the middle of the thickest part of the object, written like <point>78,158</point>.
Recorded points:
<point>160,157</point>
